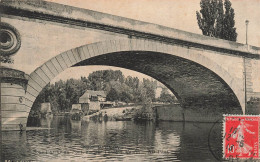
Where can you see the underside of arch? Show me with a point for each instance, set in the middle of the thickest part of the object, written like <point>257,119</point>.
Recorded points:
<point>194,85</point>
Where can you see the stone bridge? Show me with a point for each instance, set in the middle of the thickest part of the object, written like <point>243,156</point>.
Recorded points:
<point>46,38</point>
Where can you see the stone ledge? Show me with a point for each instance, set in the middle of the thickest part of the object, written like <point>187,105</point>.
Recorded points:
<point>14,76</point>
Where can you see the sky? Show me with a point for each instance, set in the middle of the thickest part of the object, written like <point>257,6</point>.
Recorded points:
<point>178,14</point>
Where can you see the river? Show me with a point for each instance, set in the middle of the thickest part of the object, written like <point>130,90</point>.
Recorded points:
<point>69,140</point>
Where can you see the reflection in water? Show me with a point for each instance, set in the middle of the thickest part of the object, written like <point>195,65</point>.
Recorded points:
<point>14,144</point>
<point>75,126</point>
<point>46,122</point>
<point>113,140</point>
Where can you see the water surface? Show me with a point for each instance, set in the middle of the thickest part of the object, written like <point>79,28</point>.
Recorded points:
<point>70,140</point>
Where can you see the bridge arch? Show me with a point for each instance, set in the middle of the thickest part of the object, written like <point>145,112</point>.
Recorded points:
<point>128,52</point>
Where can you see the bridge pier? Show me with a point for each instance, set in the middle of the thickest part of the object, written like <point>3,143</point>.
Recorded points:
<point>14,112</point>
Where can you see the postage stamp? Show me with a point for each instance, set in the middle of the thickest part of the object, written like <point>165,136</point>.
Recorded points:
<point>241,137</point>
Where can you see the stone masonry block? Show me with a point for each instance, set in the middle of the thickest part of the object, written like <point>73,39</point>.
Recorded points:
<point>13,107</point>
<point>124,45</point>
<point>113,46</point>
<point>150,46</point>
<point>10,85</point>
<point>28,103</point>
<point>76,55</point>
<point>140,45</point>
<point>34,76</point>
<point>52,68</point>
<point>86,51</point>
<point>42,75</point>
<point>134,44</point>
<point>32,90</point>
<point>57,65</point>
<point>160,47</point>
<point>154,45</point>
<point>104,47</point>
<point>100,49</point>
<point>67,59</point>
<point>30,97</point>
<point>81,53</point>
<point>91,50</point>
<point>12,99</point>
<point>12,92</point>
<point>62,62</point>
<point>71,58</point>
<point>47,71</point>
<point>13,121</point>
<point>34,85</point>
<point>146,45</point>
<point>95,49</point>
<point>118,47</point>
<point>109,48</point>
<point>14,114</point>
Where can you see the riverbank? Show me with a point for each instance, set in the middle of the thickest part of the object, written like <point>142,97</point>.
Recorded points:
<point>170,112</point>
<point>114,114</point>
<point>175,112</point>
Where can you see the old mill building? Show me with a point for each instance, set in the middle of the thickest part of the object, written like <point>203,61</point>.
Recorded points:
<point>92,101</point>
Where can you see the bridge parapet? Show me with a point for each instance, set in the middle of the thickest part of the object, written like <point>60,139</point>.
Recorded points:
<point>48,11</point>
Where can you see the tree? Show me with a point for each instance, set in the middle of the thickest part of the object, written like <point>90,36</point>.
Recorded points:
<point>166,97</point>
<point>126,97</point>
<point>112,95</point>
<point>98,79</point>
<point>229,31</point>
<point>150,87</point>
<point>214,22</point>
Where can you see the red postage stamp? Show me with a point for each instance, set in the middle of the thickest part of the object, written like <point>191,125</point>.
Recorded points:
<point>241,137</point>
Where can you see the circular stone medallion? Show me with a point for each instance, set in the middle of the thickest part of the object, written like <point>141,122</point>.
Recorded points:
<point>10,40</point>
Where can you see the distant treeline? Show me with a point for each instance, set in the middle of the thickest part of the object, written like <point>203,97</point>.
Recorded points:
<point>63,94</point>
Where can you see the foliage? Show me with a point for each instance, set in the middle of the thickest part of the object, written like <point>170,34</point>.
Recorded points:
<point>112,95</point>
<point>166,97</point>
<point>99,79</point>
<point>149,87</point>
<point>215,22</point>
<point>63,94</point>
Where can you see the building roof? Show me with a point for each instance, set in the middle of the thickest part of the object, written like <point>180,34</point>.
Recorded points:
<point>89,93</point>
